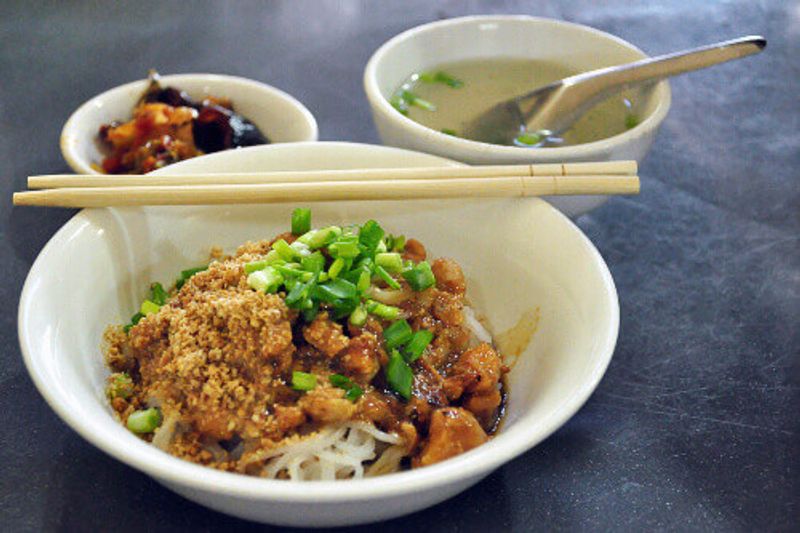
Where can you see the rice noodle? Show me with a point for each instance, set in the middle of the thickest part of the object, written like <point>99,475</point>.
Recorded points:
<point>388,296</point>
<point>388,462</point>
<point>166,432</point>
<point>475,326</point>
<point>335,452</point>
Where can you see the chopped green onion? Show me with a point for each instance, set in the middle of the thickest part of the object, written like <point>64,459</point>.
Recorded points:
<point>302,249</point>
<point>399,103</point>
<point>149,307</point>
<point>391,262</point>
<point>344,249</point>
<point>399,375</point>
<point>273,257</point>
<point>420,277</point>
<point>338,289</point>
<point>120,385</point>
<point>631,121</point>
<point>390,281</point>
<point>303,380</point>
<point>424,104</point>
<point>343,308</point>
<point>318,238</point>
<point>413,99</point>
<point>370,235</point>
<point>286,252</point>
<point>338,380</point>
<point>395,243</point>
<point>311,313</point>
<point>313,263</point>
<point>134,320</point>
<point>336,268</point>
<point>364,281</point>
<point>419,341</point>
<point>301,220</point>
<point>449,131</point>
<point>251,267</point>
<point>293,271</point>
<point>529,138</point>
<point>441,77</point>
<point>359,316</point>
<point>157,294</point>
<point>388,312</point>
<point>399,243</point>
<point>298,293</point>
<point>353,391</point>
<point>186,274</point>
<point>144,421</point>
<point>365,263</point>
<point>189,272</point>
<point>397,334</point>
<point>267,280</point>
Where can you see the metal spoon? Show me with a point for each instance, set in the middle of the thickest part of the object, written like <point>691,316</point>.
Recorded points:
<point>555,107</point>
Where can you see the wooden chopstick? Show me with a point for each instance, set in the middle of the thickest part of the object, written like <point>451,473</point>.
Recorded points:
<point>385,189</point>
<point>555,169</point>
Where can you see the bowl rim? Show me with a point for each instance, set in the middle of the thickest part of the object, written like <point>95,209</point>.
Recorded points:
<point>479,461</point>
<point>79,164</point>
<point>381,105</point>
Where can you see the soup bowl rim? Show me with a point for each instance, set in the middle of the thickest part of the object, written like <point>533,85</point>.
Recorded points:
<point>380,104</point>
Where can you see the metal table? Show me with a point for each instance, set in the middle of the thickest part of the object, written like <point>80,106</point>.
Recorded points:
<point>694,427</point>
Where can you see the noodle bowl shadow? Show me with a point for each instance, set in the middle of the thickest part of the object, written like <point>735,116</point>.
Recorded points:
<point>518,254</point>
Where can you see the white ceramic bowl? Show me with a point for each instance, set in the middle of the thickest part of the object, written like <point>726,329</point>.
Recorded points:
<point>518,254</point>
<point>580,47</point>
<point>277,114</point>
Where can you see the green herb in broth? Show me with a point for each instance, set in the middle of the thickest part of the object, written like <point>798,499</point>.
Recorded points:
<point>441,77</point>
<point>399,103</point>
<point>404,99</point>
<point>415,100</point>
<point>485,82</point>
<point>631,121</point>
<point>530,138</point>
<point>449,131</point>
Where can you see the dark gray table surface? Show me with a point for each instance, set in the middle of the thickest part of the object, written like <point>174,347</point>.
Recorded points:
<point>694,427</point>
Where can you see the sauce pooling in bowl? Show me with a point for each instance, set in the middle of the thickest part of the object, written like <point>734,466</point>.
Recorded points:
<point>450,95</point>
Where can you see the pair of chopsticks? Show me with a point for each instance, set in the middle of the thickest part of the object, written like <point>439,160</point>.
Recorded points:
<point>65,190</point>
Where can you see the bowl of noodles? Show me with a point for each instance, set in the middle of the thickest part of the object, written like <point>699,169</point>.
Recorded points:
<point>323,364</point>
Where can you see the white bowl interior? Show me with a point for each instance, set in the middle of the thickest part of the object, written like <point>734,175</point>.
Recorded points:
<point>277,114</point>
<point>518,255</point>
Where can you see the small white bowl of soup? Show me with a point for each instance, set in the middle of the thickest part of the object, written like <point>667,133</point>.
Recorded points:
<point>424,84</point>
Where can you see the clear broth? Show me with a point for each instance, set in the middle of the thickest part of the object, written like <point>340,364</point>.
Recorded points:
<point>486,82</point>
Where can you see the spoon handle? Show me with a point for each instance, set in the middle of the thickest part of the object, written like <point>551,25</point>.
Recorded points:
<point>659,67</point>
<point>580,92</point>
